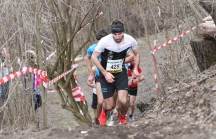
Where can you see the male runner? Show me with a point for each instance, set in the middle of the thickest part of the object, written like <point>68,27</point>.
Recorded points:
<point>113,75</point>
<point>133,87</point>
<point>129,57</point>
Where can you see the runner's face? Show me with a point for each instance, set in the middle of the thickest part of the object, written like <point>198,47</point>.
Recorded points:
<point>118,37</point>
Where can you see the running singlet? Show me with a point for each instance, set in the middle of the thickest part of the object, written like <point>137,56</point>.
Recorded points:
<point>90,52</point>
<point>113,54</point>
<point>113,61</point>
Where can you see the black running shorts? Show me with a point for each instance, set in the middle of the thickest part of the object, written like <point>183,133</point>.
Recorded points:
<point>94,101</point>
<point>132,91</point>
<point>96,78</point>
<point>120,83</point>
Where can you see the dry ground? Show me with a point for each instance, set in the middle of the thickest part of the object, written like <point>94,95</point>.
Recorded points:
<point>186,110</point>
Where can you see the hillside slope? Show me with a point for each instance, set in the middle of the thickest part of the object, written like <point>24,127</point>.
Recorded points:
<point>186,111</point>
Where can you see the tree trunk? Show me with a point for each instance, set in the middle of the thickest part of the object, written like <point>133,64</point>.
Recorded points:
<point>210,7</point>
<point>204,50</point>
<point>39,58</point>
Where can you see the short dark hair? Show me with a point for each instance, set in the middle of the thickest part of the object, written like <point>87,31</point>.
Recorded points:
<point>100,34</point>
<point>117,23</point>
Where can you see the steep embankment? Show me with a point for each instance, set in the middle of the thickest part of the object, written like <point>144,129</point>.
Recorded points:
<point>186,111</point>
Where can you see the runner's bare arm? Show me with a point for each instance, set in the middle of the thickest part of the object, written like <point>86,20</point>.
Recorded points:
<point>137,61</point>
<point>89,67</point>
<point>129,57</point>
<point>142,77</point>
<point>92,84</point>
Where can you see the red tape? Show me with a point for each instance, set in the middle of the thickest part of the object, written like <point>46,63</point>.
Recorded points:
<point>174,39</point>
<point>47,84</point>
<point>76,92</point>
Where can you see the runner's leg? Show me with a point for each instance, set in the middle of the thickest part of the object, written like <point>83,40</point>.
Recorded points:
<point>118,108</point>
<point>133,94</point>
<point>109,104</point>
<point>100,100</point>
<point>115,95</point>
<point>94,107</point>
<point>107,90</point>
<point>132,106</point>
<point>123,101</point>
<point>121,86</point>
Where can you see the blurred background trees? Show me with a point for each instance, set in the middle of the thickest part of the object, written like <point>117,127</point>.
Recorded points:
<point>68,27</point>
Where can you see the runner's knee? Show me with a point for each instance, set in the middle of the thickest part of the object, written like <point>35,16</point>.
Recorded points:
<point>108,108</point>
<point>123,101</point>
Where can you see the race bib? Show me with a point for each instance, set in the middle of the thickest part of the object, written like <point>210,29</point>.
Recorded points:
<point>114,66</point>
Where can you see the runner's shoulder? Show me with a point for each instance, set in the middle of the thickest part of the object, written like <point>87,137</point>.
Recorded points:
<point>92,48</point>
<point>127,36</point>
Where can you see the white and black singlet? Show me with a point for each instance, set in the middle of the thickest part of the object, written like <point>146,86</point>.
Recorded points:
<point>113,54</point>
<point>112,60</point>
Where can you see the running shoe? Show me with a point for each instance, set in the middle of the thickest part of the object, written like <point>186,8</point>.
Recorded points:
<point>103,118</point>
<point>123,120</point>
<point>110,120</point>
<point>131,119</point>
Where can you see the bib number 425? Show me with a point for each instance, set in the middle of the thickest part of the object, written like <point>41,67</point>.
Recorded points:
<point>115,66</point>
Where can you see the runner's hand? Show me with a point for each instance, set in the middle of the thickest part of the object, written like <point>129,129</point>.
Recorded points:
<point>135,81</point>
<point>142,77</point>
<point>91,78</point>
<point>136,73</point>
<point>109,77</point>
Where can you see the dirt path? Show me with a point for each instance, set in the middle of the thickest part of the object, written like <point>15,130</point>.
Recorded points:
<point>186,111</point>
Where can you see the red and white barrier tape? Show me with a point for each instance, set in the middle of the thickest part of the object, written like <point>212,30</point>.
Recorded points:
<point>155,48</point>
<point>78,32</point>
<point>49,83</point>
<point>156,80</point>
<point>155,71</point>
<point>21,72</point>
<point>35,71</point>
<point>76,92</point>
<point>50,55</point>
<point>89,22</point>
<point>174,39</point>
